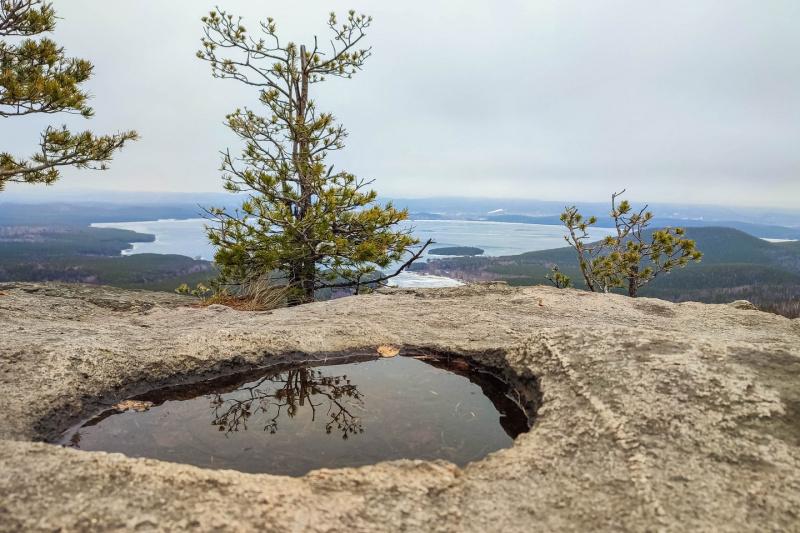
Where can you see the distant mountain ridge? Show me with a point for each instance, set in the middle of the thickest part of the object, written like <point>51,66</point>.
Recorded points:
<point>485,208</point>
<point>443,207</point>
<point>85,213</point>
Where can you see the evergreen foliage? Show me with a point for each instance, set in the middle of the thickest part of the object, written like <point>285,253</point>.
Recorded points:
<point>558,278</point>
<point>36,77</point>
<point>628,258</point>
<point>315,226</point>
<point>457,250</point>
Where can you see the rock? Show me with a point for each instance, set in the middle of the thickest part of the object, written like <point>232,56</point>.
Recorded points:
<point>743,304</point>
<point>655,416</point>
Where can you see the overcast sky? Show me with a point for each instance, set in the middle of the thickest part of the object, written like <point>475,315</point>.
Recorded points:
<point>686,100</point>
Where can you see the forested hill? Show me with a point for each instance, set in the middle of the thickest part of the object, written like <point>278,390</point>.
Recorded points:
<point>54,242</point>
<point>766,231</point>
<point>735,265</point>
<point>91,255</point>
<point>719,246</point>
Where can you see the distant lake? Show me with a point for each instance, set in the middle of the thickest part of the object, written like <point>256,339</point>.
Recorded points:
<point>187,237</point>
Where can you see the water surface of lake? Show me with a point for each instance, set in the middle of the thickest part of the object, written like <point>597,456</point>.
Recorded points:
<point>187,237</point>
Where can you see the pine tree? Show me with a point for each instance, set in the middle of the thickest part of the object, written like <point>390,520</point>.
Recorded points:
<point>631,258</point>
<point>317,226</point>
<point>36,77</point>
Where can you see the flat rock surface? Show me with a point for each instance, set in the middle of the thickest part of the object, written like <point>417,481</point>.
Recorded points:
<point>655,416</point>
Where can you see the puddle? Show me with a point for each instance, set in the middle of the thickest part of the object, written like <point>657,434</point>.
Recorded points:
<point>292,419</point>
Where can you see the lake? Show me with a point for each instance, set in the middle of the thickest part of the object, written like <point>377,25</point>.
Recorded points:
<point>187,237</point>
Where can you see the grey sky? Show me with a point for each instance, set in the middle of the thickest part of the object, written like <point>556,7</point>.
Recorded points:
<point>687,100</point>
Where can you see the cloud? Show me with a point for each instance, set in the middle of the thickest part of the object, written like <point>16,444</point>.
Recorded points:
<point>690,100</point>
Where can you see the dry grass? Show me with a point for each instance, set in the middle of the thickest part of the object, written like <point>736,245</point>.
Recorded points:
<point>260,295</point>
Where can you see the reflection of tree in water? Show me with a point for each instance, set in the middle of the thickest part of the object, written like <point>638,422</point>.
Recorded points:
<point>284,394</point>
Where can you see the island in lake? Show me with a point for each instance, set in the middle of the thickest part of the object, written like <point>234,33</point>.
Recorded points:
<point>457,250</point>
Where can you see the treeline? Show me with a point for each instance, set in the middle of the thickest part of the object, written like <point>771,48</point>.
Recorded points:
<point>33,243</point>
<point>92,255</point>
<point>779,299</point>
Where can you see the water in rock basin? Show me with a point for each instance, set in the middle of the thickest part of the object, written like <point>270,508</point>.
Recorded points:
<point>299,418</point>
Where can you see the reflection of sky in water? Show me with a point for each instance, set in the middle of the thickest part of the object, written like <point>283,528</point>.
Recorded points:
<point>405,407</point>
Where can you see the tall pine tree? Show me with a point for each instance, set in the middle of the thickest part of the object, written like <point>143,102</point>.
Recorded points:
<point>317,226</point>
<point>36,77</point>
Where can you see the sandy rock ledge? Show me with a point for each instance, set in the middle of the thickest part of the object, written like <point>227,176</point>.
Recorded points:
<point>655,416</point>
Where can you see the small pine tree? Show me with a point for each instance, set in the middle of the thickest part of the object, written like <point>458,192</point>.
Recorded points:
<point>558,278</point>
<point>633,257</point>
<point>36,77</point>
<point>316,226</point>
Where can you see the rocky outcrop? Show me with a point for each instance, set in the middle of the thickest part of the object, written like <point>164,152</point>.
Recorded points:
<point>654,416</point>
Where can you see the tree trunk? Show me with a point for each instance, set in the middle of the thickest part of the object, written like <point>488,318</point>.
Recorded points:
<point>633,282</point>
<point>303,280</point>
<point>309,280</point>
<point>304,272</point>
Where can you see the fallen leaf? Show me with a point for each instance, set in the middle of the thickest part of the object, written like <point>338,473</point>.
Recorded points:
<point>136,405</point>
<point>387,350</point>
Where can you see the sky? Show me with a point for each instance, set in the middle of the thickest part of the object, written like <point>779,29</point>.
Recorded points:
<point>693,101</point>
